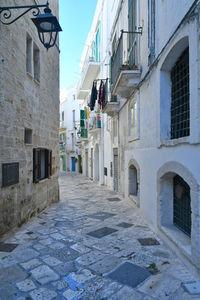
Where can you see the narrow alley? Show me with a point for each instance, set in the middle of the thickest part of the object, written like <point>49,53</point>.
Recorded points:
<point>91,245</point>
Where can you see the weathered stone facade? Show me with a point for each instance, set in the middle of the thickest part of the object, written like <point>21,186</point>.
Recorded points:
<point>28,100</point>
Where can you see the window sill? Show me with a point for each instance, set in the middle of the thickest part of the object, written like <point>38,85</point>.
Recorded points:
<point>177,237</point>
<point>133,138</point>
<point>174,142</point>
<point>42,180</point>
<point>134,199</point>
<point>36,81</point>
<point>29,75</point>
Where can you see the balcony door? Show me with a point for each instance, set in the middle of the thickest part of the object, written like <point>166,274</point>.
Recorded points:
<point>132,26</point>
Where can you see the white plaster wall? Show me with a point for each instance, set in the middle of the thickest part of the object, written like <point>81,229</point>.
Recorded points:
<point>169,14</point>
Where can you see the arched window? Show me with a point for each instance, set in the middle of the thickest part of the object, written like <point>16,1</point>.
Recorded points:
<point>180,108</point>
<point>174,93</point>
<point>181,205</point>
<point>133,185</point>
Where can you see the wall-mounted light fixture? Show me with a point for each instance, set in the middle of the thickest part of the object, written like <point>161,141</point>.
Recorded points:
<point>47,24</point>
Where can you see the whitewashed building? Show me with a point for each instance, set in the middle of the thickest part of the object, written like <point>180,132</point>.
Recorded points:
<point>95,60</point>
<point>69,126</point>
<point>150,136</point>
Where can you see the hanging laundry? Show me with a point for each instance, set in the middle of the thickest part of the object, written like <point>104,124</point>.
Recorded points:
<point>105,94</point>
<point>93,96</point>
<point>102,93</point>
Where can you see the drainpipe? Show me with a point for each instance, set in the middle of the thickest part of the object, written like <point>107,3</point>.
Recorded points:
<point>119,152</point>
<point>101,169</point>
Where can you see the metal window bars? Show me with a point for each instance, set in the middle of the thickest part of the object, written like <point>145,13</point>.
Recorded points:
<point>180,107</point>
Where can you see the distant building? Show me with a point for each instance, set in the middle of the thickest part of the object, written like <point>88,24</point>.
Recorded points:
<point>150,138</point>
<point>29,121</point>
<point>69,128</point>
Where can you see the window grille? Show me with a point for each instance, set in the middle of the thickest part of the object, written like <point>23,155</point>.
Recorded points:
<point>180,109</point>
<point>182,205</point>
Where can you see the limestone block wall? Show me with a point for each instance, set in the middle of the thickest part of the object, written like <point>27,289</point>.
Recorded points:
<point>27,103</point>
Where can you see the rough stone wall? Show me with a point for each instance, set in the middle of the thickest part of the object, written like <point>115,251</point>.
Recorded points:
<point>27,103</point>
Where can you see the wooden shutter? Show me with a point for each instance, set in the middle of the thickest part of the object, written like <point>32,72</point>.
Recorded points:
<point>49,163</point>
<point>36,165</point>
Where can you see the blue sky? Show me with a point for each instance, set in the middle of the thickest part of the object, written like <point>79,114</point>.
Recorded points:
<point>75,18</point>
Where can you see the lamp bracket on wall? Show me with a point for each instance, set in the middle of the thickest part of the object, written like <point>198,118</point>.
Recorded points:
<point>6,12</point>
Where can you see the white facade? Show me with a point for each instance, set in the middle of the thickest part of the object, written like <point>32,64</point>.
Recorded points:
<point>69,126</point>
<point>147,145</point>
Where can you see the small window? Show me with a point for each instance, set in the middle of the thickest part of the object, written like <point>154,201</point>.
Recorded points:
<point>36,63</point>
<point>63,115</point>
<point>73,115</point>
<point>132,117</point>
<point>27,136</point>
<point>32,58</point>
<point>29,54</point>
<point>42,164</point>
<point>115,128</point>
<point>105,171</point>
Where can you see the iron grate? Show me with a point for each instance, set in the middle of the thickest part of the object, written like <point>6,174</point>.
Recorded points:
<point>180,109</point>
<point>182,206</point>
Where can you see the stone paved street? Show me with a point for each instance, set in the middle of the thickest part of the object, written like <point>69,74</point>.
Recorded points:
<point>91,245</point>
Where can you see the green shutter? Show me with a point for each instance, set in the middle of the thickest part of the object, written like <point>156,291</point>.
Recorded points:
<point>84,133</point>
<point>82,123</point>
<point>82,114</point>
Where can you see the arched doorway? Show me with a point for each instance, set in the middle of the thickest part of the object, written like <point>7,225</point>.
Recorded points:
<point>133,185</point>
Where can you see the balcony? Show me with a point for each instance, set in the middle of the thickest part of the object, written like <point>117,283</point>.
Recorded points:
<point>90,71</point>
<point>95,124</point>
<point>125,76</point>
<point>111,108</point>
<point>81,94</point>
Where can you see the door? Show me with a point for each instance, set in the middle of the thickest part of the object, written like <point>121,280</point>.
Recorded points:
<point>116,172</point>
<point>86,163</point>
<point>73,164</point>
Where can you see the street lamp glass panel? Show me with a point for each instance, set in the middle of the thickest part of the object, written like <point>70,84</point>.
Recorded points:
<point>47,26</point>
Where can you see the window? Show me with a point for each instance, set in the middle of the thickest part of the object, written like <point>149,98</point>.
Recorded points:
<point>42,164</point>
<point>73,117</point>
<point>115,128</point>
<point>132,36</point>
<point>36,62</point>
<point>63,115</point>
<point>132,117</point>
<point>32,58</point>
<point>151,30</point>
<point>27,136</point>
<point>72,140</point>
<point>180,108</point>
<point>29,54</point>
<point>182,206</point>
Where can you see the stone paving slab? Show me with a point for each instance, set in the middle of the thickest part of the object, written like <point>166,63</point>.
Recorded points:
<point>57,259</point>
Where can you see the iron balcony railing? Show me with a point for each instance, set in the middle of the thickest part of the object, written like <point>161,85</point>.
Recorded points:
<point>119,63</point>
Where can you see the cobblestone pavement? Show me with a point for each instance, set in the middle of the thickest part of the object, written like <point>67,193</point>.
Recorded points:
<point>91,245</point>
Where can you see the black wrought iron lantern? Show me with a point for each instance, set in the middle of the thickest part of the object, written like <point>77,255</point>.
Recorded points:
<point>47,24</point>
<point>48,27</point>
